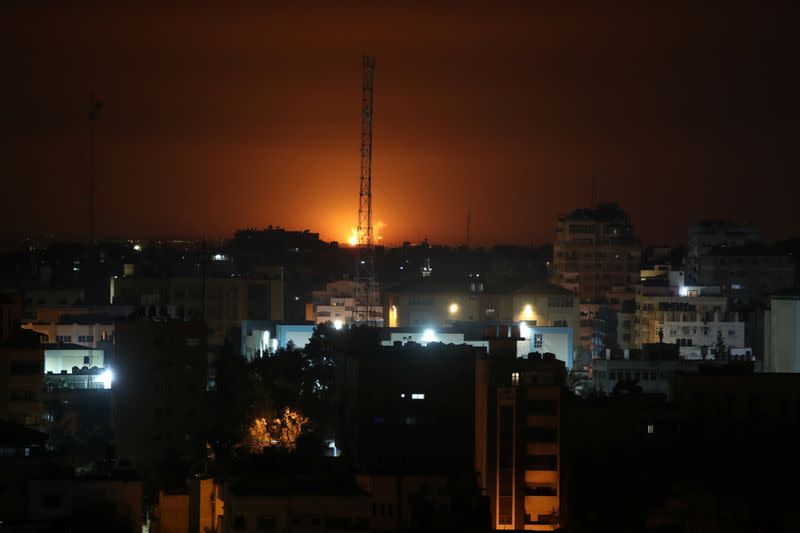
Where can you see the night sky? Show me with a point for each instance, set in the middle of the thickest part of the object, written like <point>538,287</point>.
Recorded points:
<point>220,119</point>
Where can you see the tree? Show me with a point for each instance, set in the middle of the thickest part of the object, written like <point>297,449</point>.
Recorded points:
<point>282,431</point>
<point>723,352</point>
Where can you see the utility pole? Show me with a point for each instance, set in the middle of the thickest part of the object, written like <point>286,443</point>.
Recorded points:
<point>468,221</point>
<point>365,286</point>
<point>95,106</point>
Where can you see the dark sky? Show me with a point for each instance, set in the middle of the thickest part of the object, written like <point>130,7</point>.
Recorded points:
<point>219,119</point>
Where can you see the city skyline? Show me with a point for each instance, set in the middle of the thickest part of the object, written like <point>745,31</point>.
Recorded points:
<point>213,123</point>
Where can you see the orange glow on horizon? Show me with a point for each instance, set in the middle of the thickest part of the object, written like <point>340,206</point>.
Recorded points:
<point>377,236</point>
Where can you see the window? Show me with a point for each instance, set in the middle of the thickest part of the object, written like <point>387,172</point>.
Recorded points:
<point>63,338</point>
<point>417,396</point>
<point>537,340</point>
<point>543,407</point>
<point>542,462</point>
<point>543,434</point>
<point>559,323</point>
<point>515,378</point>
<point>87,360</point>
<point>651,429</point>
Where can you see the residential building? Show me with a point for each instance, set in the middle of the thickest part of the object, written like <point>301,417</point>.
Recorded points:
<point>711,234</point>
<point>206,505</point>
<point>518,438</point>
<point>434,305</point>
<point>23,456</point>
<point>402,407</point>
<point>85,331</point>
<point>651,370</point>
<point>655,306</point>
<point>222,302</point>
<point>158,398</point>
<point>751,271</point>
<point>10,314</point>
<point>75,504</point>
<point>290,502</point>
<point>336,304</point>
<point>594,251</point>
<point>698,338</point>
<point>541,339</point>
<point>21,376</point>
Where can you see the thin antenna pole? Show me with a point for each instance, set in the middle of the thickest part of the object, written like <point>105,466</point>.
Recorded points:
<point>468,221</point>
<point>95,106</point>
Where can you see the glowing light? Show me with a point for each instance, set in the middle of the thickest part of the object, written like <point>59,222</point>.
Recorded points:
<point>281,431</point>
<point>264,342</point>
<point>524,330</point>
<point>337,324</point>
<point>377,234</point>
<point>377,230</point>
<point>393,317</point>
<point>137,248</point>
<point>429,336</point>
<point>527,312</point>
<point>352,240</point>
<point>219,257</point>
<point>453,308</point>
<point>107,377</point>
<point>683,291</point>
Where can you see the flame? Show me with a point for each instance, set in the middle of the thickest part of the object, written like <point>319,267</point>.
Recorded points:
<point>377,230</point>
<point>352,240</point>
<point>377,236</point>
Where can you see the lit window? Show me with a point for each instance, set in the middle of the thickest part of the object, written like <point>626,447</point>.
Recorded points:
<point>651,429</point>
<point>515,378</point>
<point>418,396</point>
<point>537,340</point>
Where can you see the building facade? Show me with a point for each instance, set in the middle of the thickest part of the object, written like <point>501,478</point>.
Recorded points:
<point>595,250</point>
<point>518,440</point>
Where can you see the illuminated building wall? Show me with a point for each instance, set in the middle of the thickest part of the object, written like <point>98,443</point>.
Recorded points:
<point>782,333</point>
<point>518,440</point>
<point>83,334</point>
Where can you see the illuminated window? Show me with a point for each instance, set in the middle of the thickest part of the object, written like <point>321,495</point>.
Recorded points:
<point>537,340</point>
<point>418,396</point>
<point>515,378</point>
<point>651,429</point>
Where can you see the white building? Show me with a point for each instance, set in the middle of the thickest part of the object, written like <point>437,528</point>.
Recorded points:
<point>83,334</point>
<point>62,360</point>
<point>701,333</point>
<point>337,304</point>
<point>542,339</point>
<point>782,333</point>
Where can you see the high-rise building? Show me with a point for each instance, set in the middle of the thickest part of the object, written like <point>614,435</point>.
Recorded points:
<point>158,396</point>
<point>594,251</point>
<point>518,439</point>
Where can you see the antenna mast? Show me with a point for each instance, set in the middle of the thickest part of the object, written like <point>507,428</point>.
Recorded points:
<point>366,288</point>
<point>95,106</point>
